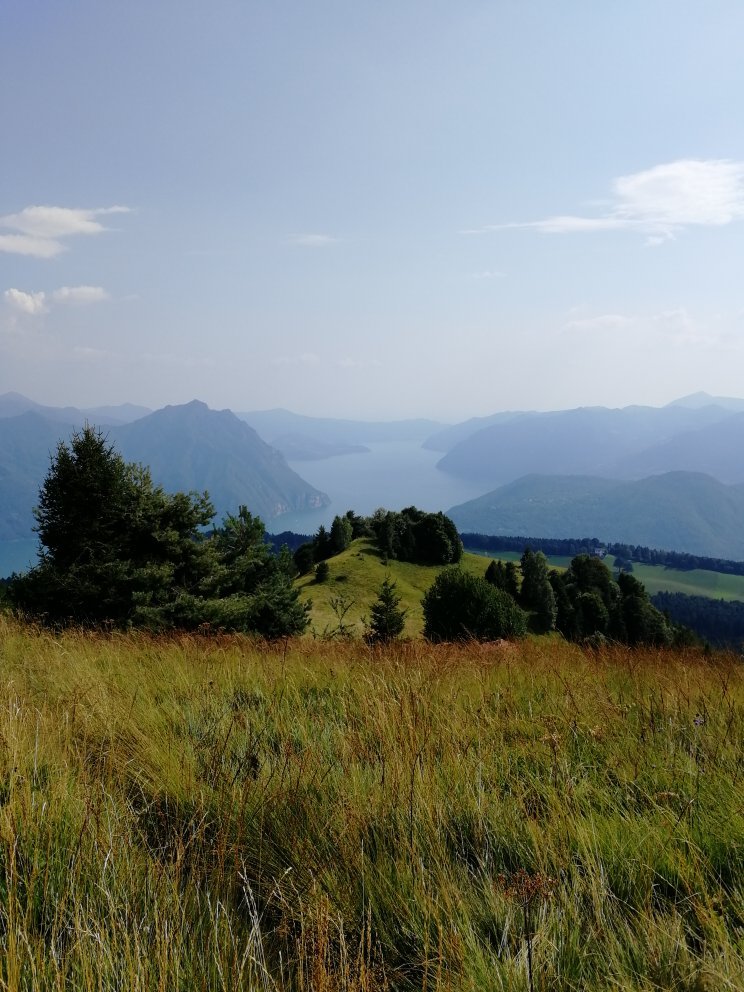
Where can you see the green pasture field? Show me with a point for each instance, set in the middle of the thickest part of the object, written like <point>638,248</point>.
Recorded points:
<point>697,582</point>
<point>555,561</point>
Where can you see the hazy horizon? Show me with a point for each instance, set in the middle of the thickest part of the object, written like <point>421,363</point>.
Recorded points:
<point>367,211</point>
<point>382,418</point>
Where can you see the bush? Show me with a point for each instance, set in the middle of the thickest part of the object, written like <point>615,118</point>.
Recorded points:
<point>460,607</point>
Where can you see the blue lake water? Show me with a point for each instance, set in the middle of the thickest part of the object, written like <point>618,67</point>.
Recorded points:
<point>391,474</point>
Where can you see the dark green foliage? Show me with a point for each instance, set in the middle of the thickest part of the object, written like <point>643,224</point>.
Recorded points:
<point>387,620</point>
<point>340,536</point>
<point>321,571</point>
<point>325,544</point>
<point>536,594</point>
<point>304,558</point>
<point>459,606</point>
<point>119,551</point>
<point>718,621</point>
<point>589,602</point>
<point>415,536</point>
<point>504,576</point>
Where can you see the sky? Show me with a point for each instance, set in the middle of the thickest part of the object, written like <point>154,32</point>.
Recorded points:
<point>371,209</point>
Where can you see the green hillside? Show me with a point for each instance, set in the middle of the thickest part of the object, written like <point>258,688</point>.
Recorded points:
<point>355,576</point>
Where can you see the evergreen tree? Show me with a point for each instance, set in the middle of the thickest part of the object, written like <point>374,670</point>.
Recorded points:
<point>340,535</point>
<point>536,594</point>
<point>119,550</point>
<point>387,619</point>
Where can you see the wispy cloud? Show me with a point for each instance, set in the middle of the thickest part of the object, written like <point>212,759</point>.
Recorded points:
<point>676,326</point>
<point>311,240</point>
<point>660,202</point>
<point>36,304</point>
<point>41,231</point>
<point>80,295</point>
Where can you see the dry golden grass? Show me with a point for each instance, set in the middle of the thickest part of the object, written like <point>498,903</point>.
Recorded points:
<point>220,813</point>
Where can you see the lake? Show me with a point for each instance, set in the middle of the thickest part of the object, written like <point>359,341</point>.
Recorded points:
<point>392,474</point>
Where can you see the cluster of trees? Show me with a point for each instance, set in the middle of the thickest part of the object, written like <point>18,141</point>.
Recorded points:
<point>118,550</point>
<point>589,602</point>
<point>416,536</point>
<point>326,544</point>
<point>582,602</point>
<point>719,622</point>
<point>411,535</point>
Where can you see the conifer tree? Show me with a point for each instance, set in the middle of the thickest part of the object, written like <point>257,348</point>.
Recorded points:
<point>387,619</point>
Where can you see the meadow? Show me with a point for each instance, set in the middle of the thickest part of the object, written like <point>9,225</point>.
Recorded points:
<point>186,813</point>
<point>354,580</point>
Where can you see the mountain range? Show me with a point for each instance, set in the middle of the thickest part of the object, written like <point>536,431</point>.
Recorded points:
<point>628,443</point>
<point>186,447</point>
<point>663,476</point>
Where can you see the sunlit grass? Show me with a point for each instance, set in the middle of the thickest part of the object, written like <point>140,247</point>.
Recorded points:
<point>193,813</point>
<point>355,577</point>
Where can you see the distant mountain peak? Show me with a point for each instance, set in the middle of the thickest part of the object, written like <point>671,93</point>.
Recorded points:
<point>696,401</point>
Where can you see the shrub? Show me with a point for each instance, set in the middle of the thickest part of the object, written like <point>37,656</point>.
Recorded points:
<point>459,607</point>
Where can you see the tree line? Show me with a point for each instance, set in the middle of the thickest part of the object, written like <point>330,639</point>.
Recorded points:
<point>719,622</point>
<point>570,547</point>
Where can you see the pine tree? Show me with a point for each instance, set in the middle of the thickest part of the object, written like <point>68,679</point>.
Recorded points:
<point>387,620</point>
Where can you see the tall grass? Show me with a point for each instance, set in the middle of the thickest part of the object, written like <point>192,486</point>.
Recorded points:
<point>188,813</point>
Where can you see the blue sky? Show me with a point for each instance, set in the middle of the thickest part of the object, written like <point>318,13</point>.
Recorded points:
<point>371,209</point>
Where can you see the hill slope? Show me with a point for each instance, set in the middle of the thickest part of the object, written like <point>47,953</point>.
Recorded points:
<point>677,511</point>
<point>356,576</point>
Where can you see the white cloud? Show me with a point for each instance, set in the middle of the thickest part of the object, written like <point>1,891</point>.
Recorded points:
<point>40,231</point>
<point>32,304</point>
<point>311,240</point>
<point>22,244</point>
<point>80,294</point>
<point>661,201</point>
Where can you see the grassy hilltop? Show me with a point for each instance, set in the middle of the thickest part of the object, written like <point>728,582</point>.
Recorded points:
<point>218,813</point>
<point>355,576</point>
